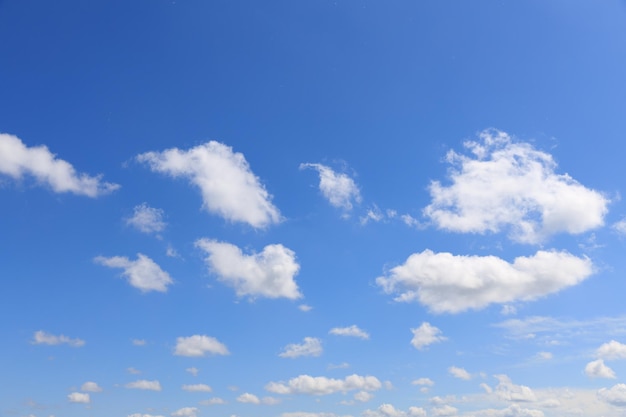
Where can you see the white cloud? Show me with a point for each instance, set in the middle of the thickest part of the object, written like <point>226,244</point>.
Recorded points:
<point>139,342</point>
<point>513,410</point>
<point>305,384</point>
<point>42,338</point>
<point>144,385</point>
<point>510,185</point>
<point>79,397</point>
<point>459,373</point>
<point>307,414</point>
<point>185,412</point>
<point>305,308</point>
<point>248,398</point>
<point>311,346</point>
<point>199,345</point>
<point>616,395</point>
<point>267,274</point>
<point>229,188</point>
<point>339,189</point>
<point>388,410</point>
<point>270,400</point>
<point>509,391</point>
<point>352,331</point>
<point>193,371</point>
<point>197,388</point>
<point>597,369</point>
<point>423,382</point>
<point>143,273</point>
<point>91,387</point>
<point>544,356</point>
<point>147,219</point>
<point>133,371</point>
<point>444,410</point>
<point>454,283</point>
<point>426,335</point>
<point>612,350</point>
<point>620,226</point>
<point>363,396</point>
<point>342,365</point>
<point>18,160</point>
<point>213,401</point>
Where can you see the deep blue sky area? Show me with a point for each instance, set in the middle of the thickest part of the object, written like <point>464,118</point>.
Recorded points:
<point>312,208</point>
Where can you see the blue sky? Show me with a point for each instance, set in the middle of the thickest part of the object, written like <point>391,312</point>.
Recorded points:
<point>312,209</point>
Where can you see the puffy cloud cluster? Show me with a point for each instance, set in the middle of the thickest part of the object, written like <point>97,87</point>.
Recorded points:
<point>509,391</point>
<point>510,185</point>
<point>147,219</point>
<point>229,188</point>
<point>426,335</point>
<point>310,346</point>
<point>353,331</point>
<point>267,274</point>
<point>79,397</point>
<point>199,345</point>
<point>608,351</point>
<point>142,273</point>
<point>616,395</point>
<point>305,384</point>
<point>18,160</point>
<point>339,189</point>
<point>42,338</point>
<point>448,283</point>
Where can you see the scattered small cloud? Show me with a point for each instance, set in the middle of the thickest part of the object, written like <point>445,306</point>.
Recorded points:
<point>459,373</point>
<point>144,384</point>
<point>193,371</point>
<point>229,188</point>
<point>339,189</point>
<point>426,335</point>
<point>142,273</point>
<point>139,342</point>
<point>197,388</point>
<point>199,345</point>
<point>305,308</point>
<point>185,412</point>
<point>18,161</point>
<point>352,331</point>
<point>147,219</point>
<point>267,274</point>
<point>597,369</point>
<point>42,338</point>
<point>79,397</point>
<point>310,346</point>
<point>305,384</point>
<point>90,387</point>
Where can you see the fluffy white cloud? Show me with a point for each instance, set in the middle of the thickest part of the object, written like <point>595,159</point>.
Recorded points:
<point>267,274</point>
<point>229,188</point>
<point>507,184</point>
<point>197,388</point>
<point>91,387</point>
<point>353,331</point>
<point>305,384</point>
<point>612,350</point>
<point>147,219</point>
<point>444,410</point>
<point>311,346</point>
<point>142,273</point>
<point>339,189</point>
<point>425,335</point>
<point>248,398</point>
<point>145,385</point>
<point>185,412</point>
<point>424,382</point>
<point>509,391</point>
<point>597,369</point>
<point>18,160</point>
<point>454,283</point>
<point>388,410</point>
<point>79,397</point>
<point>459,373</point>
<point>42,338</point>
<point>616,395</point>
<point>199,345</point>
<point>363,396</point>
